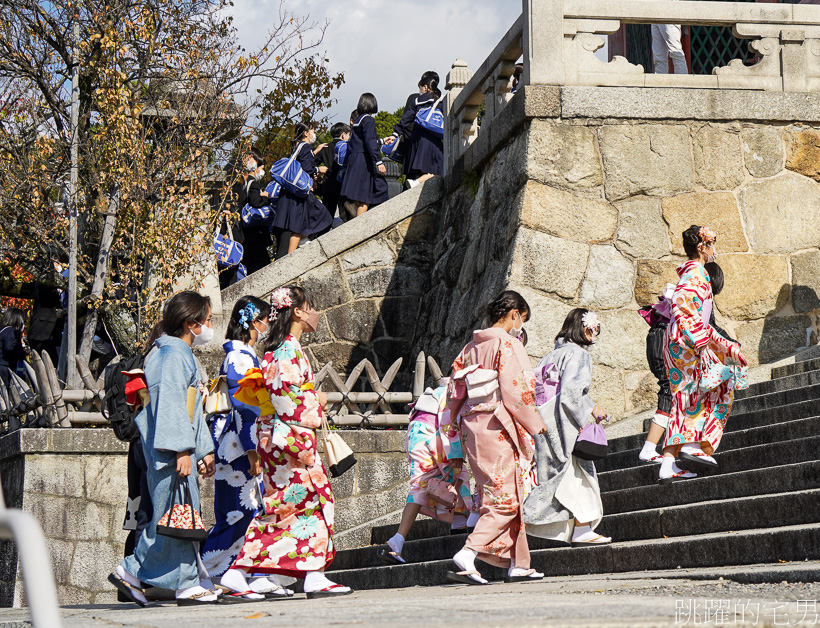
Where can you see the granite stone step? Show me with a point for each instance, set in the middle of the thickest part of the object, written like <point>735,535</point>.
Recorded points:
<point>743,459</point>
<point>745,513</point>
<point>797,367</point>
<point>737,421</point>
<point>777,399</point>
<point>746,547</point>
<point>802,476</point>
<point>787,430</point>
<point>781,384</point>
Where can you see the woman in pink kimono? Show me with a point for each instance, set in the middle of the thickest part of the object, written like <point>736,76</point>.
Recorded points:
<point>698,418</point>
<point>293,535</point>
<point>491,403</point>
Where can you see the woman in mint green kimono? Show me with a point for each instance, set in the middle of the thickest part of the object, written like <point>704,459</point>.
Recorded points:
<point>175,441</point>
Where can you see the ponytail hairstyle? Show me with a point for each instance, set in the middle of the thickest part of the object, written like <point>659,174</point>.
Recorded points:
<point>575,324</point>
<point>693,237</point>
<point>504,303</point>
<point>156,332</point>
<point>300,130</point>
<point>430,80</point>
<point>246,310</point>
<point>282,303</point>
<point>184,307</point>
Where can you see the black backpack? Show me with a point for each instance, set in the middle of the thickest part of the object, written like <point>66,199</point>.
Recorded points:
<point>114,407</point>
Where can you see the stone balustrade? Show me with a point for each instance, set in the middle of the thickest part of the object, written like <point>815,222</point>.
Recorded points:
<point>556,41</point>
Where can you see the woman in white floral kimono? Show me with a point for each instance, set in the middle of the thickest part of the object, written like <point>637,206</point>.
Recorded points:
<point>294,535</point>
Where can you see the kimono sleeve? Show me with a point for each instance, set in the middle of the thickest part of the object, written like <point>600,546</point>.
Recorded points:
<point>517,383</point>
<point>245,416</point>
<point>687,315</point>
<point>292,396</point>
<point>174,427</point>
<point>575,382</point>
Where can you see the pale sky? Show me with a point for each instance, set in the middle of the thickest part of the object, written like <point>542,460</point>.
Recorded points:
<point>384,46</point>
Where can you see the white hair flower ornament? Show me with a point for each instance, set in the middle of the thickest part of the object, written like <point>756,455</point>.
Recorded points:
<point>591,322</point>
<point>280,300</point>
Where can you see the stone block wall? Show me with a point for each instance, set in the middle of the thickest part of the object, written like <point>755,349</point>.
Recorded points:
<point>73,481</point>
<point>574,211</point>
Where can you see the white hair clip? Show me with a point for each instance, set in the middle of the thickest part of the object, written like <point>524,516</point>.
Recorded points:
<point>591,322</point>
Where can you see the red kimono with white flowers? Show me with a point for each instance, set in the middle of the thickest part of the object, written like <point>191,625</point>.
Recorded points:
<point>294,534</point>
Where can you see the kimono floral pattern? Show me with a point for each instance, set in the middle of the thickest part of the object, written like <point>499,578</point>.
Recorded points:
<point>236,491</point>
<point>294,534</point>
<point>697,417</point>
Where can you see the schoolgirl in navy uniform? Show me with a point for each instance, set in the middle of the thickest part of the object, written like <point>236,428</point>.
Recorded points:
<point>257,238</point>
<point>299,217</point>
<point>423,151</point>
<point>364,185</point>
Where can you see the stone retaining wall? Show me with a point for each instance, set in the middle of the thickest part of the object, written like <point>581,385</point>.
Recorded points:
<point>74,482</point>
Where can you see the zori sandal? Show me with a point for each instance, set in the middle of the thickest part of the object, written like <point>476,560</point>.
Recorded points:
<point>390,557</point>
<point>596,540</point>
<point>530,575</point>
<point>466,577</point>
<point>126,588</point>
<point>329,592</point>
<point>195,599</point>
<point>696,462</point>
<point>677,477</point>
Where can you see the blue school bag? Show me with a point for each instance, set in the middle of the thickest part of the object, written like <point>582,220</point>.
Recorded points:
<point>431,119</point>
<point>391,151</point>
<point>228,251</point>
<point>256,216</point>
<point>340,155</point>
<point>289,174</point>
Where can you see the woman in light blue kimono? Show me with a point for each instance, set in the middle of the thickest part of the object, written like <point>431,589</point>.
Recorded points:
<point>175,441</point>
<point>237,482</point>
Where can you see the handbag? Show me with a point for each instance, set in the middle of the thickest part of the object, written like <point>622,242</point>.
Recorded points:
<point>339,456</point>
<point>591,443</point>
<point>431,119</point>
<point>713,373</point>
<point>392,152</point>
<point>181,521</point>
<point>228,251</point>
<point>442,492</point>
<point>218,400</point>
<point>289,174</point>
<point>241,272</point>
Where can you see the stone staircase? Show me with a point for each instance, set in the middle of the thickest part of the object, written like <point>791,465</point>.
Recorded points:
<point>761,511</point>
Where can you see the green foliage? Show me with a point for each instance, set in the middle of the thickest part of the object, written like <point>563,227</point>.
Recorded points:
<point>386,120</point>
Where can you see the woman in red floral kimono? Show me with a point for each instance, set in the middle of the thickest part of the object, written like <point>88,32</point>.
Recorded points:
<point>491,407</point>
<point>294,534</point>
<point>698,418</point>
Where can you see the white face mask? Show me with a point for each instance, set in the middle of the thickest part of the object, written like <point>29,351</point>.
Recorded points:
<point>259,174</point>
<point>251,166</point>
<point>712,258</point>
<point>517,332</point>
<point>261,335</point>
<point>205,335</point>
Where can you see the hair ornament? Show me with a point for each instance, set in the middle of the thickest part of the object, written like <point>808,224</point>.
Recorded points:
<point>706,235</point>
<point>591,322</point>
<point>247,315</point>
<point>280,300</point>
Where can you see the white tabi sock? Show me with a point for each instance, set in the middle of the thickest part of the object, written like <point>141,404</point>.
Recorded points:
<point>316,581</point>
<point>649,451</point>
<point>473,519</point>
<point>235,580</point>
<point>695,448</point>
<point>122,574</point>
<point>396,543</point>
<point>191,591</point>
<point>669,468</point>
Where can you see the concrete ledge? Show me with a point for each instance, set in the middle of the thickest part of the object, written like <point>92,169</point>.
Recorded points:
<point>62,441</point>
<point>689,104</point>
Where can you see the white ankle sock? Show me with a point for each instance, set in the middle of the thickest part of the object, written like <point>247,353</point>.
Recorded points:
<point>182,593</point>
<point>316,581</point>
<point>396,543</point>
<point>235,580</point>
<point>473,519</point>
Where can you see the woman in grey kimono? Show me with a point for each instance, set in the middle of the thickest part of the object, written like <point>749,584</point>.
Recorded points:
<point>175,441</point>
<point>566,504</point>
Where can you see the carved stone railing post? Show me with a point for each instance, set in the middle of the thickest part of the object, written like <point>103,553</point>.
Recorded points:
<point>543,42</point>
<point>458,76</point>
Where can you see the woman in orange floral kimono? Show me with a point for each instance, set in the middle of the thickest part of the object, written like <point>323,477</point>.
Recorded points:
<point>294,535</point>
<point>698,418</point>
<point>491,407</point>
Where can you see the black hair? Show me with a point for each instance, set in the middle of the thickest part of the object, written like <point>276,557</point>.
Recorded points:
<point>13,317</point>
<point>367,104</point>
<point>184,307</point>
<point>354,114</point>
<point>505,302</point>
<point>429,80</point>
<point>573,328</point>
<point>715,277</point>
<point>301,129</point>
<point>339,129</point>
<point>242,332</point>
<point>691,241</point>
<point>258,157</point>
<point>280,322</point>
<point>524,337</point>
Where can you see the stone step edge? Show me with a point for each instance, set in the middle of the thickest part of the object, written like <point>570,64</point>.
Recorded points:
<point>635,450</point>
<point>793,384</point>
<point>415,543</point>
<point>679,545</point>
